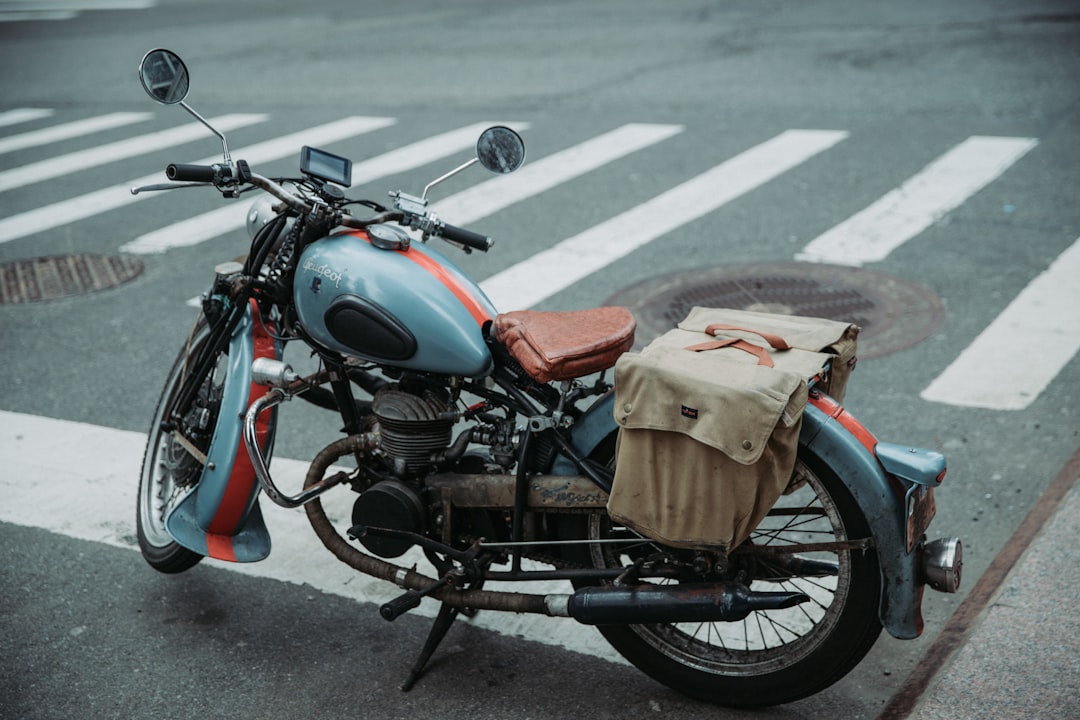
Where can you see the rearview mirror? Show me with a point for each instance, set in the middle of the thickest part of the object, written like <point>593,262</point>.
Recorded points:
<point>164,76</point>
<point>500,150</point>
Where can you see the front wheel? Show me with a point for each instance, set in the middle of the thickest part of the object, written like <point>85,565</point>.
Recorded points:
<point>774,656</point>
<point>169,469</point>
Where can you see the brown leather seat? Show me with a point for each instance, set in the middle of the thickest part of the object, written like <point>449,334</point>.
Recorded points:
<point>566,345</point>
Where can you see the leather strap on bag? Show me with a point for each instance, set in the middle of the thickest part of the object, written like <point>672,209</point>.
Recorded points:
<point>777,342</point>
<point>762,354</point>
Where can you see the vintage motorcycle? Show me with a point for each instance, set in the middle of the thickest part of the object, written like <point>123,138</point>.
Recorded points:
<point>409,352</point>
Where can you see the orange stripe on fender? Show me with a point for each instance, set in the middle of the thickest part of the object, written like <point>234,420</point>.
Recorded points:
<point>234,503</point>
<point>220,547</point>
<point>835,410</point>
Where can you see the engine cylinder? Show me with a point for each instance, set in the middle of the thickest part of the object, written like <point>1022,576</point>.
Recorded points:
<point>411,429</point>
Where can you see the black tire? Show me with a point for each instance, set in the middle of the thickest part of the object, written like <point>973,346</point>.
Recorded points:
<point>168,470</point>
<point>775,656</point>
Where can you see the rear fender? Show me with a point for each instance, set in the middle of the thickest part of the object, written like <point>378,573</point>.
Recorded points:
<point>844,445</point>
<point>848,448</point>
<point>221,517</point>
<point>595,424</point>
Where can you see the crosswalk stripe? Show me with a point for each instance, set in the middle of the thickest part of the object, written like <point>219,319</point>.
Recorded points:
<point>535,177</point>
<point>1014,359</point>
<point>903,213</point>
<point>546,273</point>
<point>21,115</point>
<point>66,131</point>
<point>35,10</point>
<point>110,198</point>
<point>120,150</point>
<point>85,488</point>
<point>226,219</point>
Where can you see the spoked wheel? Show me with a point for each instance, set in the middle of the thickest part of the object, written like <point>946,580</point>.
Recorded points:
<point>169,470</point>
<point>773,656</point>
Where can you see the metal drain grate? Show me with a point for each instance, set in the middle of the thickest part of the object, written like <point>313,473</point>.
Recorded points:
<point>59,276</point>
<point>893,314</point>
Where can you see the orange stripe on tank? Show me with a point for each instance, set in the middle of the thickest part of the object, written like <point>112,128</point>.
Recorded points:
<point>451,283</point>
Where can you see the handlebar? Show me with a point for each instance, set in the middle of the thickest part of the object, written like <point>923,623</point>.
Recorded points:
<point>223,176</point>
<point>180,172</point>
<point>465,237</point>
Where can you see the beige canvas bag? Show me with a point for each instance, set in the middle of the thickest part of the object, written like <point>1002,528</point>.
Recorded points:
<point>709,422</point>
<point>833,338</point>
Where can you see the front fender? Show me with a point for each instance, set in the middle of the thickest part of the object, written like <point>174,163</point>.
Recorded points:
<point>221,517</point>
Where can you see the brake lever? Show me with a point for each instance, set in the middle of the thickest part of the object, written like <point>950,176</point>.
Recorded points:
<point>167,186</point>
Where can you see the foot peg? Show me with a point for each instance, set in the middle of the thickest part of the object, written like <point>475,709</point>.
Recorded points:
<point>402,604</point>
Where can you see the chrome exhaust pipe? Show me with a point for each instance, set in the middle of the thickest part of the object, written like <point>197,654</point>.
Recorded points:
<point>942,562</point>
<point>637,604</point>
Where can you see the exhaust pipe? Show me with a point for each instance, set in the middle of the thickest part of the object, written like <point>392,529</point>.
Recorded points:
<point>637,604</point>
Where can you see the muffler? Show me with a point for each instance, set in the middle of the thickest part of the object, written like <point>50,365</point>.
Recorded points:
<point>638,604</point>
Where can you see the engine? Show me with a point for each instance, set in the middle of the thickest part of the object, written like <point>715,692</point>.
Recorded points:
<point>412,428</point>
<point>415,422</point>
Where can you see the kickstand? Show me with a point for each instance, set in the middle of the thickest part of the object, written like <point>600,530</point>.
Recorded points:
<point>443,621</point>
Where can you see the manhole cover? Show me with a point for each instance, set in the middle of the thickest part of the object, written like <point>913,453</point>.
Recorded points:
<point>49,278</point>
<point>893,314</point>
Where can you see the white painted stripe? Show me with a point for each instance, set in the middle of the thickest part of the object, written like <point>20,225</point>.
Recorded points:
<point>546,273</point>
<point>75,5</point>
<point>903,213</point>
<point>534,178</point>
<point>1014,359</point>
<point>85,487</point>
<point>21,115</point>
<point>29,16</point>
<point>110,198</point>
<point>120,150</point>
<point>231,217</point>
<point>70,130</point>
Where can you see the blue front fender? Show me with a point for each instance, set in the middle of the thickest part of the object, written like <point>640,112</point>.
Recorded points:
<point>221,518</point>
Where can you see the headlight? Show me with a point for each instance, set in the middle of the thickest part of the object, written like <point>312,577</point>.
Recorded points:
<point>262,212</point>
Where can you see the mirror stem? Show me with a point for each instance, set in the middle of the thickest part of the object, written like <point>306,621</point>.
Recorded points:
<point>200,118</point>
<point>450,174</point>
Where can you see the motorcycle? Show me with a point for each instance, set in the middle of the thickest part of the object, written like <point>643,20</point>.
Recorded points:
<point>409,351</point>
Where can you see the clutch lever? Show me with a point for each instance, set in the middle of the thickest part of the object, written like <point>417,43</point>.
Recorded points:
<point>168,186</point>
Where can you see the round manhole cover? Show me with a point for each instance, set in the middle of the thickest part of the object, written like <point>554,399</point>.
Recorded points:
<point>58,276</point>
<point>893,314</point>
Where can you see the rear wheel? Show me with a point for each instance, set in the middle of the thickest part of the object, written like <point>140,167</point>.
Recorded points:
<point>773,656</point>
<point>169,469</point>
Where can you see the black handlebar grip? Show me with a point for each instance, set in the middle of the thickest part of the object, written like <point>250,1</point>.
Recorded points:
<point>191,173</point>
<point>465,237</point>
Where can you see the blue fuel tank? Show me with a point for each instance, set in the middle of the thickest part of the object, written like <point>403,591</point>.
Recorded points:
<point>410,307</point>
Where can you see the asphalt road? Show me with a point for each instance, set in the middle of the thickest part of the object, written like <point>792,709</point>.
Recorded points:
<point>87,628</point>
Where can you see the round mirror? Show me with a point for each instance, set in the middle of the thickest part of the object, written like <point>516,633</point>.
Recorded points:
<point>164,76</point>
<point>500,150</point>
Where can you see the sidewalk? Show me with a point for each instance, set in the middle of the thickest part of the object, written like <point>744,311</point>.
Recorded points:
<point>1020,656</point>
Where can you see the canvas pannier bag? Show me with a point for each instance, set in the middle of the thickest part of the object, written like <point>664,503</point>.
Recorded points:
<point>709,426</point>
<point>833,338</point>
